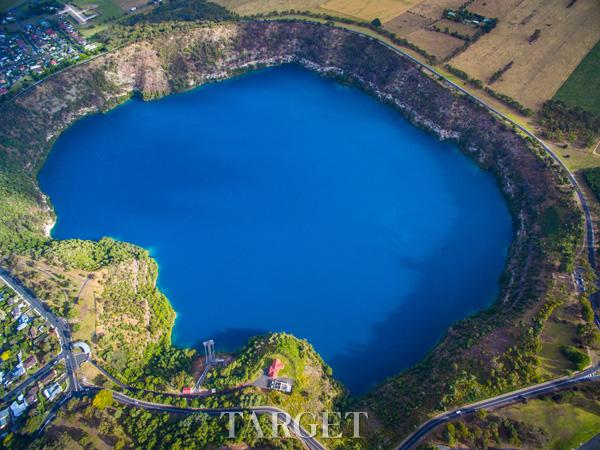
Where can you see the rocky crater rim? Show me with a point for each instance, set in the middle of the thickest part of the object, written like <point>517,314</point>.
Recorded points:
<point>179,61</point>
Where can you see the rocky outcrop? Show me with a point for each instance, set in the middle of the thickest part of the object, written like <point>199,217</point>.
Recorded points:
<point>183,60</point>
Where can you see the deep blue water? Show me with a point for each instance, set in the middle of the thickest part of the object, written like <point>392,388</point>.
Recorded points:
<point>280,201</point>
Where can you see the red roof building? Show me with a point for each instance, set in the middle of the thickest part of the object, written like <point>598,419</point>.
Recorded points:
<point>186,390</point>
<point>275,367</point>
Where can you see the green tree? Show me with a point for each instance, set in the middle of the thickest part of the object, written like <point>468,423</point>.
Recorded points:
<point>103,399</point>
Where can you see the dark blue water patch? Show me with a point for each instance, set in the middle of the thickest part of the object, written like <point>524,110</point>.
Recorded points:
<point>280,201</point>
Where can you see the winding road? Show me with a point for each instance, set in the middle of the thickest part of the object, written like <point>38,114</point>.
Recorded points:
<point>76,389</point>
<point>589,242</point>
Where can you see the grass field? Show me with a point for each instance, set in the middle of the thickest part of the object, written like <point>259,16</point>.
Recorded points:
<point>554,336</point>
<point>107,8</point>
<point>541,67</point>
<point>567,423</point>
<point>583,86</point>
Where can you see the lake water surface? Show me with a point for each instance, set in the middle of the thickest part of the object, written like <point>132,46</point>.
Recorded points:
<point>280,201</point>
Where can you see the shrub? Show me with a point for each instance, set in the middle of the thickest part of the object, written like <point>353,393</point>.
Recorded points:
<point>578,358</point>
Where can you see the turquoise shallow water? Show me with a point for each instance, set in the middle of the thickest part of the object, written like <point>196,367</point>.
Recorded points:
<point>280,201</point>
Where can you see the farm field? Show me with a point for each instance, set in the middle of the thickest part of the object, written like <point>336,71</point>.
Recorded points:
<point>369,9</point>
<point>583,86</point>
<point>249,7</point>
<point>410,19</point>
<point>438,44</point>
<point>539,68</point>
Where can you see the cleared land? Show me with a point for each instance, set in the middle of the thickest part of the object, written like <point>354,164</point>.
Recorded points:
<point>541,67</point>
<point>558,331</point>
<point>248,7</point>
<point>106,8</point>
<point>370,9</point>
<point>411,19</point>
<point>583,86</point>
<point>438,44</point>
<point>127,4</point>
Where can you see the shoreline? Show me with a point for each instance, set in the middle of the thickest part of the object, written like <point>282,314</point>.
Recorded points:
<point>507,156</point>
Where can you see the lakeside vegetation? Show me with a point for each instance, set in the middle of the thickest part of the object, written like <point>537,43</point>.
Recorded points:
<point>101,422</point>
<point>486,353</point>
<point>574,125</point>
<point>592,178</point>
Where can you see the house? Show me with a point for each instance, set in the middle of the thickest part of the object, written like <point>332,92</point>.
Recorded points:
<point>30,362</point>
<point>32,395</point>
<point>4,418</point>
<point>18,371</point>
<point>275,367</point>
<point>186,390</point>
<point>16,312</point>
<point>52,391</point>
<point>48,378</point>
<point>279,385</point>
<point>23,321</point>
<point>19,406</point>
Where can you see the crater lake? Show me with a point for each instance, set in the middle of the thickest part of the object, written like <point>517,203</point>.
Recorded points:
<point>282,201</point>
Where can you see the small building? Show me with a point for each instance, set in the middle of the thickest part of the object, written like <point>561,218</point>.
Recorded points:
<point>275,367</point>
<point>30,362</point>
<point>186,390</point>
<point>23,322</point>
<point>32,397</point>
<point>16,312</point>
<point>48,378</point>
<point>52,391</point>
<point>4,418</point>
<point>18,371</point>
<point>19,406</point>
<point>280,385</point>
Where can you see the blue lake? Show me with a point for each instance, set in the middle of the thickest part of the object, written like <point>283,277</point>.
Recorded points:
<point>280,201</point>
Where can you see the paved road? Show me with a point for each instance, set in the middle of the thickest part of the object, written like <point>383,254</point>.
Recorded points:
<point>592,444</point>
<point>589,243</point>
<point>500,401</point>
<point>75,388</point>
<point>61,326</point>
<point>310,442</point>
<point>41,373</point>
